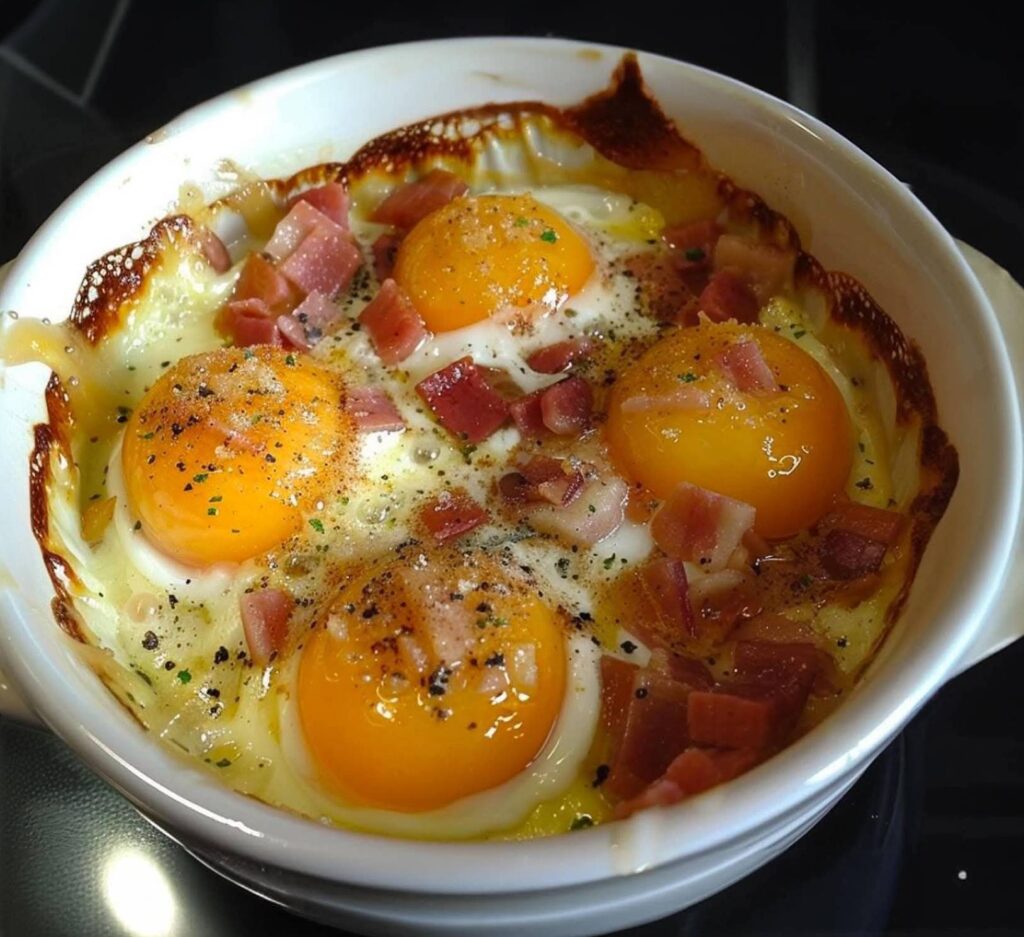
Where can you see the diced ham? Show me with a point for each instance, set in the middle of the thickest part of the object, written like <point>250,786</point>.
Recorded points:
<point>680,667</point>
<point>728,720</point>
<point>213,249</point>
<point>373,410</point>
<point>694,241</point>
<point>668,288</point>
<point>644,711</point>
<point>846,555</point>
<point>667,617</point>
<point>685,398</point>
<point>692,772</point>
<point>542,468</point>
<point>302,219</point>
<point>261,280</point>
<point>776,664</point>
<point>515,489</point>
<point>565,407</point>
<point>308,321</point>
<point>330,199</point>
<point>745,366</point>
<point>527,414</point>
<point>554,359</point>
<point>721,601</point>
<point>395,328</point>
<point>463,402</point>
<point>249,322</point>
<point>447,624</point>
<point>265,615</point>
<point>596,513</point>
<point>452,514</point>
<point>766,268</point>
<point>698,769</point>
<point>317,314</point>
<point>561,490</point>
<point>293,333</point>
<point>618,681</point>
<point>655,730</point>
<point>411,202</point>
<point>701,526</point>
<point>728,297</point>
<point>325,261</point>
<point>665,582</point>
<point>871,523</point>
<point>750,715</point>
<point>543,479</point>
<point>314,249</point>
<point>385,250</point>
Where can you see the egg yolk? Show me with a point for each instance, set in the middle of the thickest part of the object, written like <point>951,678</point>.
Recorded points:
<point>674,417</point>
<point>430,682</point>
<point>481,255</point>
<point>227,450</point>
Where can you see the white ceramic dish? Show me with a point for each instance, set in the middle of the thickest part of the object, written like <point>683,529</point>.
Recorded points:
<point>852,215</point>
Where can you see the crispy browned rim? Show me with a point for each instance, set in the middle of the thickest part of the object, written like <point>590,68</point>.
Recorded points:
<point>626,125</point>
<point>53,440</point>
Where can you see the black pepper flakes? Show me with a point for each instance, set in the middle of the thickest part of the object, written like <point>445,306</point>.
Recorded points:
<point>438,682</point>
<point>150,641</point>
<point>600,775</point>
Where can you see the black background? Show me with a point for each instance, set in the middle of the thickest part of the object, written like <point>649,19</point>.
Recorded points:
<point>931,840</point>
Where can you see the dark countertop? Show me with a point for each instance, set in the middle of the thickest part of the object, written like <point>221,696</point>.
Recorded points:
<point>931,840</point>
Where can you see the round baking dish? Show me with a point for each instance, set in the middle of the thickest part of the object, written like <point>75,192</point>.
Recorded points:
<point>851,214</point>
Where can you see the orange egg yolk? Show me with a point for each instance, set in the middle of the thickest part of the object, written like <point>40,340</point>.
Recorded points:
<point>430,682</point>
<point>482,255</point>
<point>229,448</point>
<point>785,451</point>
